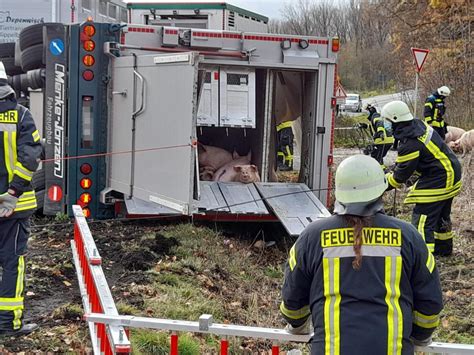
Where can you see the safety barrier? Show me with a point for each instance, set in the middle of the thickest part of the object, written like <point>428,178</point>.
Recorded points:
<point>107,327</point>
<point>95,292</point>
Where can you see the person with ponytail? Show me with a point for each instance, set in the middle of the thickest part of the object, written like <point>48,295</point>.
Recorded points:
<point>366,281</point>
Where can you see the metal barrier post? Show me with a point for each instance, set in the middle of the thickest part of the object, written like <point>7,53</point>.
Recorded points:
<point>224,346</point>
<point>174,344</point>
<point>275,349</point>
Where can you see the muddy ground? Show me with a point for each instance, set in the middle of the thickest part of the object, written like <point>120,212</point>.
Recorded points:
<point>145,262</point>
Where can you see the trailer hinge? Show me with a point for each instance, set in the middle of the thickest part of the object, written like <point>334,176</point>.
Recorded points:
<point>320,130</point>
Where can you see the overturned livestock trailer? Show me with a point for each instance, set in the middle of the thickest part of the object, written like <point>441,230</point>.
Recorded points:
<point>128,106</point>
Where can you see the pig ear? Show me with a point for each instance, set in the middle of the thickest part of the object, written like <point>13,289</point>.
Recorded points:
<point>238,168</point>
<point>253,167</point>
<point>235,155</point>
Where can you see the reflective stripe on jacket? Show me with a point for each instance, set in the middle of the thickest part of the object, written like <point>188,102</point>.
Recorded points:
<point>395,295</point>
<point>438,167</point>
<point>20,149</point>
<point>378,129</point>
<point>434,111</point>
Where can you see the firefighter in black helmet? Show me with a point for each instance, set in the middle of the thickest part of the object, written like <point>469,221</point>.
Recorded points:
<point>19,154</point>
<point>423,151</point>
<point>366,280</point>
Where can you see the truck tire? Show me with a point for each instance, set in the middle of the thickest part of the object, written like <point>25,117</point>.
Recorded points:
<point>7,50</point>
<point>31,35</point>
<point>10,66</point>
<point>39,180</point>
<point>32,57</point>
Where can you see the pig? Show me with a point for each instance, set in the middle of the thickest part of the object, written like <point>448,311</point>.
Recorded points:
<point>465,143</point>
<point>213,157</point>
<point>454,133</point>
<point>227,172</point>
<point>206,173</point>
<point>452,146</point>
<point>246,174</point>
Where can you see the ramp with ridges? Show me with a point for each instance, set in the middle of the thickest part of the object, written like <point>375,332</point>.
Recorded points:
<point>294,204</point>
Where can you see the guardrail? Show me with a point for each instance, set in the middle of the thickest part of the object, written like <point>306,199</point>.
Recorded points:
<point>108,329</point>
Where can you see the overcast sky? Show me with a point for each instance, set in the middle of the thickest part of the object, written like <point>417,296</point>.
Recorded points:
<point>269,8</point>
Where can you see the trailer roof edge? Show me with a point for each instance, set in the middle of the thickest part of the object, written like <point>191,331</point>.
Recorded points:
<point>198,5</point>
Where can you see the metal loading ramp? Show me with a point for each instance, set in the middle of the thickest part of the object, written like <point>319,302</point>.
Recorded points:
<point>294,204</point>
<point>231,197</point>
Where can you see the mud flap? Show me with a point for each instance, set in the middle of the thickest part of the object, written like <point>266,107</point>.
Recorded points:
<point>295,205</point>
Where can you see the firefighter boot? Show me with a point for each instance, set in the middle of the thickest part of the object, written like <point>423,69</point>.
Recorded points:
<point>24,330</point>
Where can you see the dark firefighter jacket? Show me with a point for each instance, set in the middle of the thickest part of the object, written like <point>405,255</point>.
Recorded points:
<point>377,129</point>
<point>434,110</point>
<point>422,150</point>
<point>394,295</point>
<point>20,149</point>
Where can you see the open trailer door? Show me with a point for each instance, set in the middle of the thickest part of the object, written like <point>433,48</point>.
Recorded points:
<point>153,116</point>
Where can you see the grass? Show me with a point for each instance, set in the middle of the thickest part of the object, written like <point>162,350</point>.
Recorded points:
<point>153,342</point>
<point>350,138</point>
<point>377,92</point>
<point>209,273</point>
<point>68,311</point>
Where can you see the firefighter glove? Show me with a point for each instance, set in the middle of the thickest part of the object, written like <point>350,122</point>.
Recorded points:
<point>424,342</point>
<point>305,328</point>
<point>7,204</point>
<point>362,125</point>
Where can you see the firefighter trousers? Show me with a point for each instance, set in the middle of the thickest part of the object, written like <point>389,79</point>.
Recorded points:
<point>441,131</point>
<point>13,241</point>
<point>379,151</point>
<point>285,147</point>
<point>433,221</point>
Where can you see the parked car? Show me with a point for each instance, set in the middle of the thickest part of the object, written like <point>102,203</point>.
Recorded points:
<point>353,103</point>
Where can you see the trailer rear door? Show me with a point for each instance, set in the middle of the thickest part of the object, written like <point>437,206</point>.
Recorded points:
<point>161,90</point>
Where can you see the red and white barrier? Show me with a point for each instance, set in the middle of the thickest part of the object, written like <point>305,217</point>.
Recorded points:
<point>96,296</point>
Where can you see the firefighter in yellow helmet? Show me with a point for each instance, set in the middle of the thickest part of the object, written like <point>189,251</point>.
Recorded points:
<point>366,280</point>
<point>19,154</point>
<point>423,151</point>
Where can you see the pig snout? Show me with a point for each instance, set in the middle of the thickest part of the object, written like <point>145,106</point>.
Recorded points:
<point>246,174</point>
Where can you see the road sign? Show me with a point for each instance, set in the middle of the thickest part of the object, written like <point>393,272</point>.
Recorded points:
<point>340,92</point>
<point>420,57</point>
<point>56,46</point>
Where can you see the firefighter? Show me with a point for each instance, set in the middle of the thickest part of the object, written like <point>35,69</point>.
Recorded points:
<point>435,110</point>
<point>19,154</point>
<point>285,145</point>
<point>383,139</point>
<point>422,151</point>
<point>366,280</point>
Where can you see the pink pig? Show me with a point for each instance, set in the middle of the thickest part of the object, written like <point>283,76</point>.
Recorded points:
<point>227,172</point>
<point>246,174</point>
<point>213,157</point>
